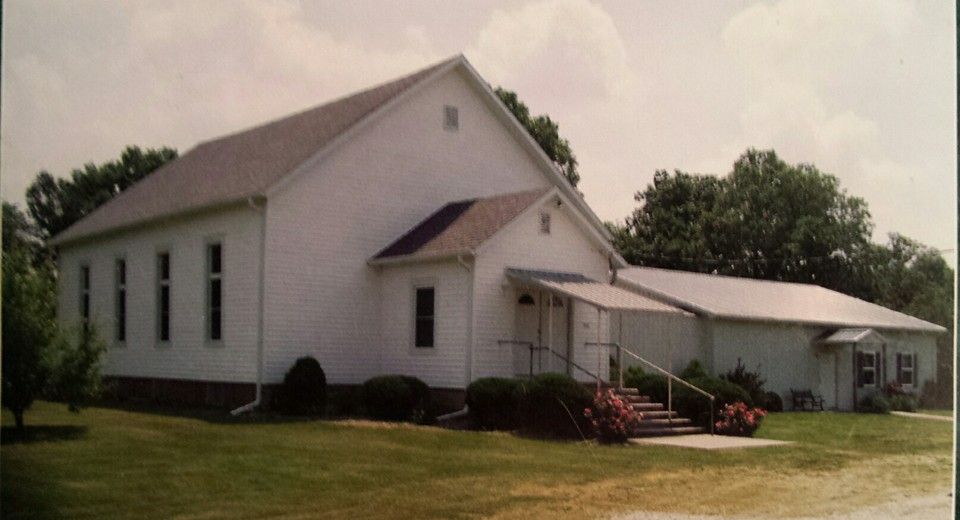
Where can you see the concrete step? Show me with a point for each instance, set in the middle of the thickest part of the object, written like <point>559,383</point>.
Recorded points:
<point>627,391</point>
<point>676,430</point>
<point>646,407</point>
<point>636,398</point>
<point>659,414</point>
<point>655,423</point>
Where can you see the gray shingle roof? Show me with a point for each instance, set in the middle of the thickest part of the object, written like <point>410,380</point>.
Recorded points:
<point>749,299</point>
<point>460,227</point>
<point>240,165</point>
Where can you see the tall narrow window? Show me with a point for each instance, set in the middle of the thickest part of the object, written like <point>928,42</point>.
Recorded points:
<point>163,296</point>
<point>905,368</point>
<point>868,366</point>
<point>85,295</point>
<point>425,314</point>
<point>214,291</point>
<point>120,302</point>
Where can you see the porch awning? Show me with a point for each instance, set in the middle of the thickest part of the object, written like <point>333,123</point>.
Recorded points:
<point>579,287</point>
<point>854,335</point>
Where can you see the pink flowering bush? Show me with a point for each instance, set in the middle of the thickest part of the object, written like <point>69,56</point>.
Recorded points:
<point>739,420</point>
<point>612,418</point>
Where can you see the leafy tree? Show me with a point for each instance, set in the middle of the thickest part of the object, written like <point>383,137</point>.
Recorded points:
<point>28,328</point>
<point>55,204</point>
<point>545,132</point>
<point>76,355</point>
<point>766,219</point>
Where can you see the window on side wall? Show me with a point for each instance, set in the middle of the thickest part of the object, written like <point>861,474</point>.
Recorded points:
<point>120,300</point>
<point>163,297</point>
<point>85,295</point>
<point>425,315</point>
<point>868,367</point>
<point>906,368</point>
<point>215,291</point>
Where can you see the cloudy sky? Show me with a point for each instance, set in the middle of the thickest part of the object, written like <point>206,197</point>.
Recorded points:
<point>864,90</point>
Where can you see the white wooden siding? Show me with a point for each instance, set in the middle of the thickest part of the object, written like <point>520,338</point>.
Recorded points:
<point>669,341</point>
<point>443,364</point>
<point>188,355</point>
<point>566,248</point>
<point>321,297</point>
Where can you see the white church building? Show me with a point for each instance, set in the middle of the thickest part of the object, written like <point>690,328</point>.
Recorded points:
<point>412,228</point>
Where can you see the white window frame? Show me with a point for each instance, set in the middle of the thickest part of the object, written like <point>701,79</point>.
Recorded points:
<point>160,284</point>
<point>904,357</point>
<point>86,302</point>
<point>545,220</point>
<point>209,277</point>
<point>871,367</point>
<point>451,124</point>
<point>120,295</point>
<point>417,286</point>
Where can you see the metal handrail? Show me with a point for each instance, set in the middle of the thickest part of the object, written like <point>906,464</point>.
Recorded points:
<point>533,348</point>
<point>670,378</point>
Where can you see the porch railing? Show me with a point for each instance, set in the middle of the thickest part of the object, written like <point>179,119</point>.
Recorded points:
<point>670,377</point>
<point>556,354</point>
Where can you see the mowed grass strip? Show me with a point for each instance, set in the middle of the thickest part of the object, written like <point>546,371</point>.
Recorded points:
<point>149,464</point>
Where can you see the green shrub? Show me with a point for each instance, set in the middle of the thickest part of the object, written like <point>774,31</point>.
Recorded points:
<point>652,385</point>
<point>554,407</point>
<point>697,407</point>
<point>495,403</point>
<point>304,388</point>
<point>903,403</point>
<point>694,370</point>
<point>396,398</point>
<point>874,403</point>
<point>771,402</point>
<point>749,381</point>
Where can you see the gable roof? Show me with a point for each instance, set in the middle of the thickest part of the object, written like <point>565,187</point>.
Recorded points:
<point>763,300</point>
<point>240,165</point>
<point>460,227</point>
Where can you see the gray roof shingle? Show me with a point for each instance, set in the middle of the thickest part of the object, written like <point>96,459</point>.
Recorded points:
<point>240,165</point>
<point>460,227</point>
<point>763,300</point>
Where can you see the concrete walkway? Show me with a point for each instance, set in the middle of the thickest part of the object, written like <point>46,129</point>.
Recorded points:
<point>924,416</point>
<point>705,441</point>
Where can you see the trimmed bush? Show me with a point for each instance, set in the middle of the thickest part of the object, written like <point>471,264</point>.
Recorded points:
<point>495,403</point>
<point>304,390</point>
<point>697,407</point>
<point>554,407</point>
<point>874,403</point>
<point>903,403</point>
<point>749,381</point>
<point>694,370</point>
<point>396,398</point>
<point>772,402</point>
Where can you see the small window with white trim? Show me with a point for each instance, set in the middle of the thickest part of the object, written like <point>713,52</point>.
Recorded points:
<point>214,291</point>
<point>544,222</point>
<point>451,118</point>
<point>85,295</point>
<point>120,300</point>
<point>906,363</point>
<point>868,366</point>
<point>163,297</point>
<point>425,302</point>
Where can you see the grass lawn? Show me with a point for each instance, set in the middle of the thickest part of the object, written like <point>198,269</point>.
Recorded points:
<point>115,463</point>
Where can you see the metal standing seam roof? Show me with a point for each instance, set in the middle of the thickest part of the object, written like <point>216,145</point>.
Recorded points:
<point>461,227</point>
<point>857,335</point>
<point>240,165</point>
<point>764,300</point>
<point>598,294</point>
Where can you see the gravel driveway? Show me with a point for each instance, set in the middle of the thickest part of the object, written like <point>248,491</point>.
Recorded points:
<point>933,507</point>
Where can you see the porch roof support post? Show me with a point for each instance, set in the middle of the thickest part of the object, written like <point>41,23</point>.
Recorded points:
<point>599,310</point>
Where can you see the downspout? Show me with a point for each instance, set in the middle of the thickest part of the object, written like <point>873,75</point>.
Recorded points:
<point>468,372</point>
<point>260,294</point>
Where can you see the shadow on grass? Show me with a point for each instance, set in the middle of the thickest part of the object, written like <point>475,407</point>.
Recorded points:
<point>209,415</point>
<point>31,434</point>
